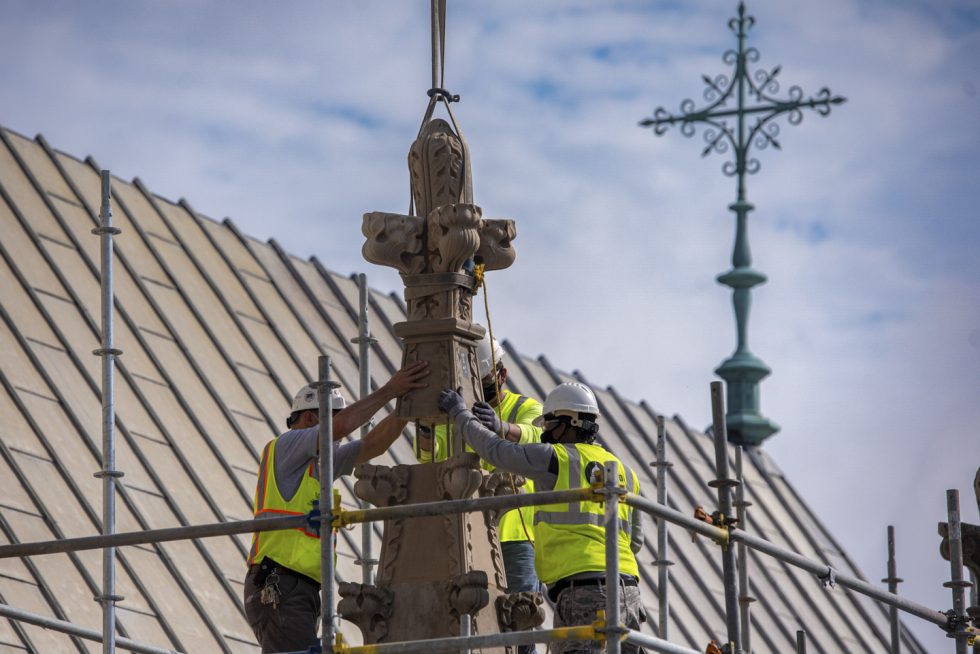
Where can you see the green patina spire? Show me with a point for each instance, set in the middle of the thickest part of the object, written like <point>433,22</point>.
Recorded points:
<point>753,96</point>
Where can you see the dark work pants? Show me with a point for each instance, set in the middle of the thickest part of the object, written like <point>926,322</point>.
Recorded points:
<point>290,626</point>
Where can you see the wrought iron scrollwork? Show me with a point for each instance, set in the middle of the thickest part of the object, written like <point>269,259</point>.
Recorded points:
<point>738,95</point>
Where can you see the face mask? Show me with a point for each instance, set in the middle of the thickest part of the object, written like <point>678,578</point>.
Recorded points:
<point>490,393</point>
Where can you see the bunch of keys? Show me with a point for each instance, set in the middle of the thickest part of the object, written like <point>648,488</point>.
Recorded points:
<point>270,592</point>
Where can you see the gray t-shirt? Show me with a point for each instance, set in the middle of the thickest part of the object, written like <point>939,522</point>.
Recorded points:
<point>296,448</point>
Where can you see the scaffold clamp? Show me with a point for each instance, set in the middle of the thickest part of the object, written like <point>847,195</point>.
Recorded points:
<point>829,580</point>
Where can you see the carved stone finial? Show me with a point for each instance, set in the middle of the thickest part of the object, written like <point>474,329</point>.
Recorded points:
<point>468,593</point>
<point>495,250</point>
<point>499,483</point>
<point>394,240</point>
<point>369,607</point>
<point>520,611</point>
<point>381,485</point>
<point>439,168</point>
<point>459,477</point>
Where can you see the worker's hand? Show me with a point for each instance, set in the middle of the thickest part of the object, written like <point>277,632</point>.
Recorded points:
<point>451,402</point>
<point>408,378</point>
<point>488,417</point>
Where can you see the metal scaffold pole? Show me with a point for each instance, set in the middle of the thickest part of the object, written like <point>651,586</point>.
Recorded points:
<point>108,473</point>
<point>745,598</point>
<point>663,561</point>
<point>956,583</point>
<point>364,341</point>
<point>724,485</point>
<point>327,600</point>
<point>893,581</point>
<point>611,492</point>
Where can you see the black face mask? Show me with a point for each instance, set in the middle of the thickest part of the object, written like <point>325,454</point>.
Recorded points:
<point>490,392</point>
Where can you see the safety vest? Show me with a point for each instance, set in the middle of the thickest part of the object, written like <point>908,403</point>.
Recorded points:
<point>297,549</point>
<point>571,538</point>
<point>513,408</point>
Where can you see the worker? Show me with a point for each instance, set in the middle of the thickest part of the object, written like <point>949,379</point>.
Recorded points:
<point>569,546</point>
<point>282,585</point>
<point>510,416</point>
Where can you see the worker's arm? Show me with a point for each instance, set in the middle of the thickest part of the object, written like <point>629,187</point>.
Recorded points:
<point>378,440</point>
<point>408,378</point>
<point>532,461</point>
<point>520,431</point>
<point>636,531</point>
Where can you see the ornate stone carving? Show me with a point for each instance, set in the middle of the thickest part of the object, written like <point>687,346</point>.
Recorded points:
<point>369,607</point>
<point>437,164</point>
<point>381,485</point>
<point>520,611</point>
<point>495,250</point>
<point>468,593</point>
<point>459,476</point>
<point>435,252</point>
<point>394,240</point>
<point>499,483</point>
<point>454,236</point>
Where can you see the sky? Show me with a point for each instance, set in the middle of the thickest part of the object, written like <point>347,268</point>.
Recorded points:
<point>295,118</point>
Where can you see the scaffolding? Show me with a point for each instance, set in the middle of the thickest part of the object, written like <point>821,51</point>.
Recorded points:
<point>727,530</point>
<point>608,629</point>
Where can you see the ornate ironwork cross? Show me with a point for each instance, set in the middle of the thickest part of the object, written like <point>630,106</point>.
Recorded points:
<point>753,95</point>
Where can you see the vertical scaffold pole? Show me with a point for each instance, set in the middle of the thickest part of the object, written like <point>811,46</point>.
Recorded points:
<point>108,473</point>
<point>800,642</point>
<point>893,581</point>
<point>663,557</point>
<point>327,600</point>
<point>745,598</point>
<point>724,485</point>
<point>364,341</point>
<point>956,582</point>
<point>613,628</point>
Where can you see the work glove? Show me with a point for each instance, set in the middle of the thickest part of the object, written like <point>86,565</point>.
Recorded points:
<point>451,402</point>
<point>487,417</point>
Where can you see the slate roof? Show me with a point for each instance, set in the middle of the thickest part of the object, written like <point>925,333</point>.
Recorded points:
<point>218,330</point>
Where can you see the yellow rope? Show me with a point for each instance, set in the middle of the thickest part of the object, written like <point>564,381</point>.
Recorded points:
<point>479,273</point>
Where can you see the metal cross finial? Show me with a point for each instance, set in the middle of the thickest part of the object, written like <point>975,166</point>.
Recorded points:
<point>734,101</point>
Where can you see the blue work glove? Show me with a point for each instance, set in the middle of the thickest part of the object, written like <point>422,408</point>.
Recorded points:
<point>451,402</point>
<point>488,417</point>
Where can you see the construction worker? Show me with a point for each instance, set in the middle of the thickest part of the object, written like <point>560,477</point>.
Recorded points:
<point>510,416</point>
<point>569,546</point>
<point>282,585</point>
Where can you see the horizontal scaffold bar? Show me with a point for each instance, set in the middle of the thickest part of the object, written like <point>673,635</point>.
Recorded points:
<point>821,570</point>
<point>8,611</point>
<point>505,639</point>
<point>152,536</point>
<point>657,644</point>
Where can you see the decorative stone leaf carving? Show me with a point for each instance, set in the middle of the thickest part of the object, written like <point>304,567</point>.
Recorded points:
<point>369,607</point>
<point>495,251</point>
<point>381,485</point>
<point>454,236</point>
<point>468,593</point>
<point>459,476</point>
<point>438,168</point>
<point>394,240</point>
<point>520,611</point>
<point>499,483</point>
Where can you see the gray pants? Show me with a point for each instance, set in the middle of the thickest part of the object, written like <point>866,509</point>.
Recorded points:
<point>578,605</point>
<point>291,625</point>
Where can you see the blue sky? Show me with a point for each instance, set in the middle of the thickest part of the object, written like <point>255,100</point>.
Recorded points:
<point>294,119</point>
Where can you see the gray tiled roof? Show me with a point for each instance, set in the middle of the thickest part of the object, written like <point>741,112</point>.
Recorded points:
<point>218,331</point>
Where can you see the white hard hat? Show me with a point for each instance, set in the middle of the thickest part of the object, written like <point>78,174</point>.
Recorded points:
<point>570,399</point>
<point>484,362</point>
<point>308,399</point>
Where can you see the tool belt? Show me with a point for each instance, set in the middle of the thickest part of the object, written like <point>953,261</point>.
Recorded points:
<point>568,582</point>
<point>267,566</point>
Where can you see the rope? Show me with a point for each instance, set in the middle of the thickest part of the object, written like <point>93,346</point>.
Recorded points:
<point>479,273</point>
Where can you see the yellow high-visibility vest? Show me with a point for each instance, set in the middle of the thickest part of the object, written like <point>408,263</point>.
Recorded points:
<point>517,409</point>
<point>570,537</point>
<point>297,549</point>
